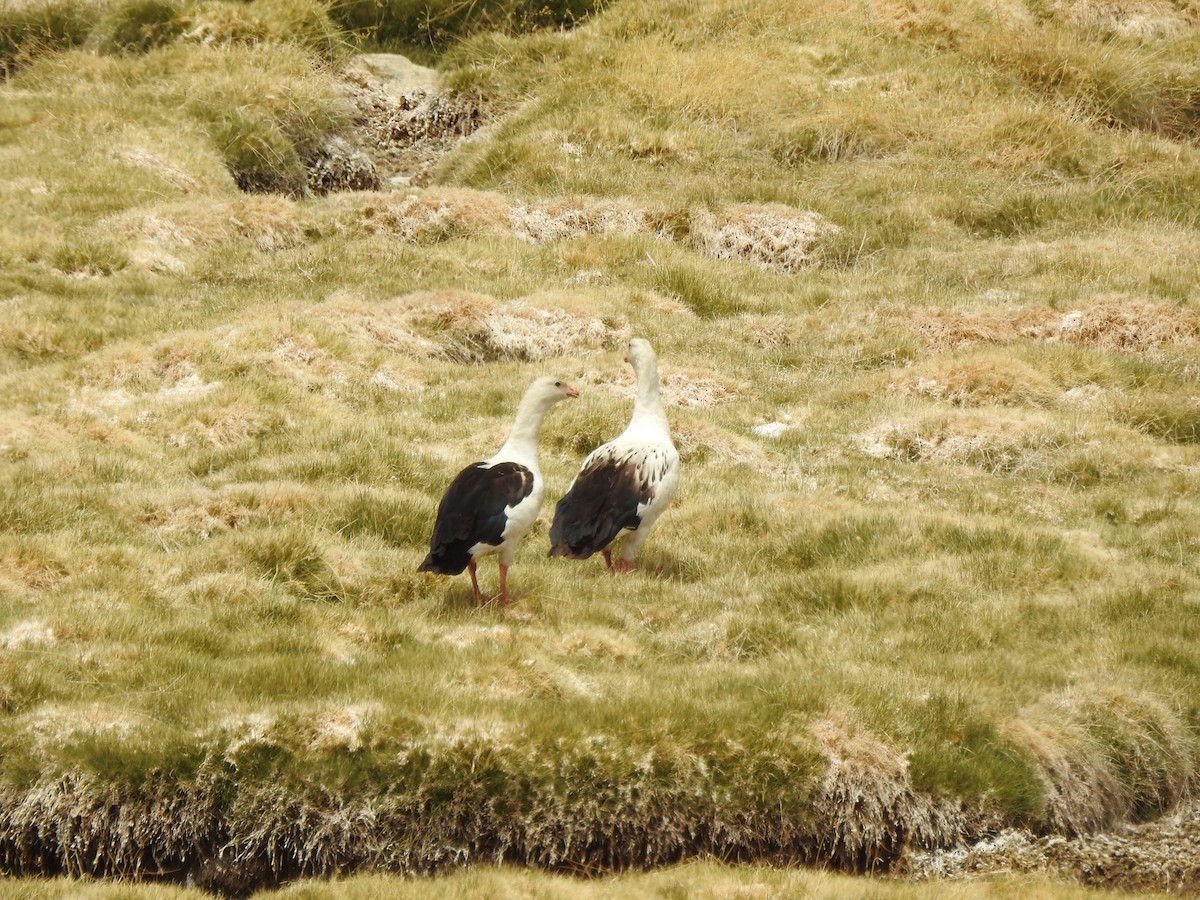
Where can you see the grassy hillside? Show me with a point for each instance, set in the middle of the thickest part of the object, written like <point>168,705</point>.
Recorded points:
<point>947,252</point>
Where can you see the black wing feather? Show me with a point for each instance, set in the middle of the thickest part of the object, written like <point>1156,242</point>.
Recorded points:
<point>601,503</point>
<point>472,512</point>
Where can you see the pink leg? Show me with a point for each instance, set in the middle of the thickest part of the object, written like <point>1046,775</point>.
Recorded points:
<point>607,557</point>
<point>474,580</point>
<point>503,598</point>
<point>622,565</point>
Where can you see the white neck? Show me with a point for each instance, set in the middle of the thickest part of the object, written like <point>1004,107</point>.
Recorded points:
<point>647,405</point>
<point>522,443</point>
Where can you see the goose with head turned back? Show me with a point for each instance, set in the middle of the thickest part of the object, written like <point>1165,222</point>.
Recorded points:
<point>491,505</point>
<point>624,485</point>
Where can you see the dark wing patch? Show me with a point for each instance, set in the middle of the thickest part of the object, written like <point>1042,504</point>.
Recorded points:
<point>472,512</point>
<point>601,503</point>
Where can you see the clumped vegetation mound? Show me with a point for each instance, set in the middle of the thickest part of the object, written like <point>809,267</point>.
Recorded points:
<point>928,334</point>
<point>1122,322</point>
<point>471,328</point>
<point>591,808</point>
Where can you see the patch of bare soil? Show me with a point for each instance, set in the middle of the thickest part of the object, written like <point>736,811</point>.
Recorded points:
<point>1157,856</point>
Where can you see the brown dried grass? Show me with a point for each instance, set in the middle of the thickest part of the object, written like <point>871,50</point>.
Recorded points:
<point>1082,792</point>
<point>1020,442</point>
<point>563,219</point>
<point>868,811</point>
<point>1119,322</point>
<point>200,515</point>
<point>772,236</point>
<point>976,380</point>
<point>222,425</point>
<point>1143,19</point>
<point>423,217</point>
<point>473,328</point>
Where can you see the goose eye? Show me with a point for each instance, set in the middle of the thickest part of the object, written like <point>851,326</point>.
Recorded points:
<point>558,384</point>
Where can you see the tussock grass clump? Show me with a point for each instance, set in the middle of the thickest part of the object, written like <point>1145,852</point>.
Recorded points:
<point>1022,444</point>
<point>773,237</point>
<point>872,809</point>
<point>304,22</point>
<point>1085,765</point>
<point>89,256</point>
<point>266,131</point>
<point>979,379</point>
<point>31,29</point>
<point>137,26</point>
<point>1131,324</point>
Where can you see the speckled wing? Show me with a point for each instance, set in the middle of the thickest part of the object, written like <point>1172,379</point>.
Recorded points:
<point>474,510</point>
<point>614,486</point>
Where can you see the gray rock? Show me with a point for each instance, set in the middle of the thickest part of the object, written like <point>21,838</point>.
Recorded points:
<point>392,74</point>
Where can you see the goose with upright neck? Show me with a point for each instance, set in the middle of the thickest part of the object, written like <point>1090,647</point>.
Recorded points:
<point>624,485</point>
<point>491,505</point>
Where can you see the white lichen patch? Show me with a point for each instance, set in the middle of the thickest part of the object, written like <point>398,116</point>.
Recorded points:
<point>425,216</point>
<point>268,223</point>
<point>772,430</point>
<point>342,728</point>
<point>297,356</point>
<point>595,644</point>
<point>248,730</point>
<point>531,677</point>
<point>495,733</point>
<point>1145,20</point>
<point>385,324</point>
<point>989,378</point>
<point>157,165</point>
<point>698,441</point>
<point>992,441</point>
<point>1084,395</point>
<point>30,635</point>
<point>338,650</point>
<point>394,379</point>
<point>126,384</point>
<point>562,220</point>
<point>224,425</point>
<point>692,389</point>
<point>521,331</point>
<point>156,240</point>
<point>474,635</point>
<point>51,726</point>
<point>188,387</point>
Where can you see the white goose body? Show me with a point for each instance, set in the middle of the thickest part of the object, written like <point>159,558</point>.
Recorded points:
<point>625,484</point>
<point>491,505</point>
